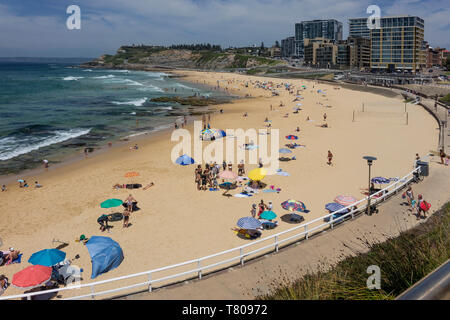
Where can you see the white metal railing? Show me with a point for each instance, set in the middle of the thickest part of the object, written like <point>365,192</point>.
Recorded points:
<point>238,254</point>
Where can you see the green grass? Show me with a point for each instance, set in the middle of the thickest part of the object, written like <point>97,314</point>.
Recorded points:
<point>403,261</point>
<point>446,98</point>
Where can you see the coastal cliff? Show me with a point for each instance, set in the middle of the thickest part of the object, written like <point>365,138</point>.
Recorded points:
<point>153,57</point>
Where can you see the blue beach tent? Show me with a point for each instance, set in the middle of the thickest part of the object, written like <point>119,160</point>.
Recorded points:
<point>106,254</point>
<point>184,160</point>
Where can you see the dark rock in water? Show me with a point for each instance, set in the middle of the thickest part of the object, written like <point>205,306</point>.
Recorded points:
<point>73,145</point>
<point>192,101</point>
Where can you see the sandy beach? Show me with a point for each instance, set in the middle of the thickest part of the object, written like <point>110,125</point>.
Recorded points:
<point>176,221</point>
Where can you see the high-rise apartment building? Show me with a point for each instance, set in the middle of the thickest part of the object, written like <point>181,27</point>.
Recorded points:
<point>328,29</point>
<point>288,47</point>
<point>359,52</point>
<point>398,44</point>
<point>358,28</point>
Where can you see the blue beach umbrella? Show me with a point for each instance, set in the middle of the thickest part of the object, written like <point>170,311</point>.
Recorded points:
<point>334,206</point>
<point>221,133</point>
<point>184,160</point>
<point>268,215</point>
<point>249,223</point>
<point>284,150</point>
<point>47,257</point>
<point>106,254</point>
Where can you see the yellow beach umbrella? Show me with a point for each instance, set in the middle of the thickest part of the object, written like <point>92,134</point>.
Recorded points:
<point>257,174</point>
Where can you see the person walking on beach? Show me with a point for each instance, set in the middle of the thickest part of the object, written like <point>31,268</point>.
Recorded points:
<point>253,211</point>
<point>330,158</point>
<point>126,218</point>
<point>4,188</point>
<point>45,163</point>
<point>420,204</point>
<point>442,155</point>
<point>129,201</point>
<point>324,117</point>
<point>409,196</point>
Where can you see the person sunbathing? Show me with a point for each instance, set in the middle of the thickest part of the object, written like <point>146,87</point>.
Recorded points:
<point>151,184</point>
<point>119,186</point>
<point>10,256</point>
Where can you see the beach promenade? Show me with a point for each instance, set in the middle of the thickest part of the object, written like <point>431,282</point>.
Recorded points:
<point>258,277</point>
<point>179,223</point>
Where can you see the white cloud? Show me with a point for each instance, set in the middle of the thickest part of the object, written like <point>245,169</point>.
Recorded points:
<point>107,24</point>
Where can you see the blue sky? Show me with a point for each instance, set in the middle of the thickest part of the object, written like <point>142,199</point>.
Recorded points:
<point>38,27</point>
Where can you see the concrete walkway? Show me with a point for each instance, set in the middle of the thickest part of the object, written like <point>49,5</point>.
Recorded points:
<point>259,276</point>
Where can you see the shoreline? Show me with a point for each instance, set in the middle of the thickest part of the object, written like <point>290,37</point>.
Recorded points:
<point>175,217</point>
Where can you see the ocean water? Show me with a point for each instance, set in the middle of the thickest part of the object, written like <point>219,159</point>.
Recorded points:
<point>49,110</point>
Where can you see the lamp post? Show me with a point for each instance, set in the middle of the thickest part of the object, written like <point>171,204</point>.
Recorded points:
<point>369,163</point>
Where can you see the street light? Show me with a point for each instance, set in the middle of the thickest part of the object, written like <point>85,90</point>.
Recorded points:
<point>369,163</point>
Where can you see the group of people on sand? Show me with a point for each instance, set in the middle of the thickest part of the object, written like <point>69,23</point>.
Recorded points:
<point>209,176</point>
<point>130,202</point>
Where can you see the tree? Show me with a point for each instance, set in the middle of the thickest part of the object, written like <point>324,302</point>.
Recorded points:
<point>447,63</point>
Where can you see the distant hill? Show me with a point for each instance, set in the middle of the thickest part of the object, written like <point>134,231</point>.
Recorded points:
<point>151,57</point>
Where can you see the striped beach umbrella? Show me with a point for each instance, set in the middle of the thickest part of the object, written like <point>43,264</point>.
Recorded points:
<point>380,180</point>
<point>345,200</point>
<point>293,205</point>
<point>249,223</point>
<point>334,206</point>
<point>32,276</point>
<point>291,137</point>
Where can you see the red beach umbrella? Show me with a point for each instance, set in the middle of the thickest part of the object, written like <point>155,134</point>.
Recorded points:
<point>32,276</point>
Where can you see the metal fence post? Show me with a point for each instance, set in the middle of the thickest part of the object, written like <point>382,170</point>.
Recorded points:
<point>276,243</point>
<point>331,220</point>
<point>306,232</point>
<point>199,265</point>
<point>242,257</point>
<point>149,283</point>
<point>93,292</point>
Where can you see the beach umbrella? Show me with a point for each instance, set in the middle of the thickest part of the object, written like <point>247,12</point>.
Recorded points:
<point>268,215</point>
<point>291,137</point>
<point>345,200</point>
<point>284,150</point>
<point>249,223</point>
<point>380,180</point>
<point>227,174</point>
<point>184,160</point>
<point>131,174</point>
<point>47,257</point>
<point>221,133</point>
<point>299,104</point>
<point>293,205</point>
<point>283,173</point>
<point>111,203</point>
<point>20,180</point>
<point>106,254</point>
<point>31,277</point>
<point>334,206</point>
<point>257,174</point>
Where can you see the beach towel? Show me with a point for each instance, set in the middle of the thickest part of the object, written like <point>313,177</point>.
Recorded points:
<point>18,260</point>
<point>213,189</point>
